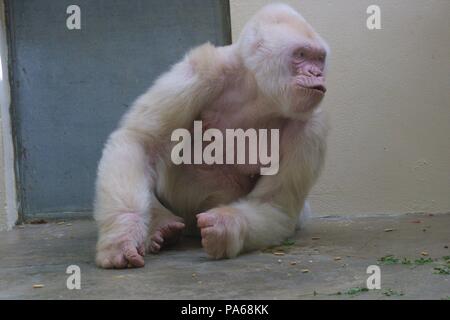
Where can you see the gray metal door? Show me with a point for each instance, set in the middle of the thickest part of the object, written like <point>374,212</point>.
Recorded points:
<point>70,87</point>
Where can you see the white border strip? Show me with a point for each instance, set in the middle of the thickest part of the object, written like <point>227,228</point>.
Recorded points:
<point>8,145</point>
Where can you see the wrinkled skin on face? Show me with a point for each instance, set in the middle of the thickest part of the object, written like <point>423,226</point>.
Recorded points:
<point>308,70</point>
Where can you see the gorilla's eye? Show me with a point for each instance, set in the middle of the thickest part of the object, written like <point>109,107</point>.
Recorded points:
<point>300,53</point>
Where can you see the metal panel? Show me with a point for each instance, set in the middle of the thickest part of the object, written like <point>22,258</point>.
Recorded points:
<point>70,87</point>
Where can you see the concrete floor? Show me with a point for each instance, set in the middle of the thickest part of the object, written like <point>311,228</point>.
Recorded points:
<point>39,255</point>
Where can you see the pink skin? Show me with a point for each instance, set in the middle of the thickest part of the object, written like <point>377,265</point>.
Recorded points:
<point>128,250</point>
<point>132,256</point>
<point>128,256</point>
<point>166,234</point>
<point>221,228</point>
<point>308,66</point>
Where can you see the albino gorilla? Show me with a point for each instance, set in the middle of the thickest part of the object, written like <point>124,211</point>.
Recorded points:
<point>272,77</point>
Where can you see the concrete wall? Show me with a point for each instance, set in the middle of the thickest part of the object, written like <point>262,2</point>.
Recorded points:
<point>389,104</point>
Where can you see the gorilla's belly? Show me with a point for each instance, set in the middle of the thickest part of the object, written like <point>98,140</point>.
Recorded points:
<point>198,188</point>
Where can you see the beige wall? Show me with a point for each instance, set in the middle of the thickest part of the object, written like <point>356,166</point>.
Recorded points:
<point>389,104</point>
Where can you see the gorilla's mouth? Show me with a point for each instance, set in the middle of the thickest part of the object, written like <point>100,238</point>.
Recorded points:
<point>319,87</point>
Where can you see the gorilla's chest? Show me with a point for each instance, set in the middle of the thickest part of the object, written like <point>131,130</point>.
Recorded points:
<point>244,142</point>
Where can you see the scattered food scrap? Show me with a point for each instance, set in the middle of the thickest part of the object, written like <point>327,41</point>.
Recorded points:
<point>442,270</point>
<point>353,291</point>
<point>288,242</point>
<point>424,253</point>
<point>406,261</point>
<point>389,259</point>
<point>422,261</point>
<point>390,292</point>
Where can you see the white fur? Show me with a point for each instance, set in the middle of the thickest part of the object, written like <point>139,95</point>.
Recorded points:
<point>135,168</point>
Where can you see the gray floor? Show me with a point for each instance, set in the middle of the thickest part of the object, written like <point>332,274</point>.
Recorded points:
<point>327,261</point>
